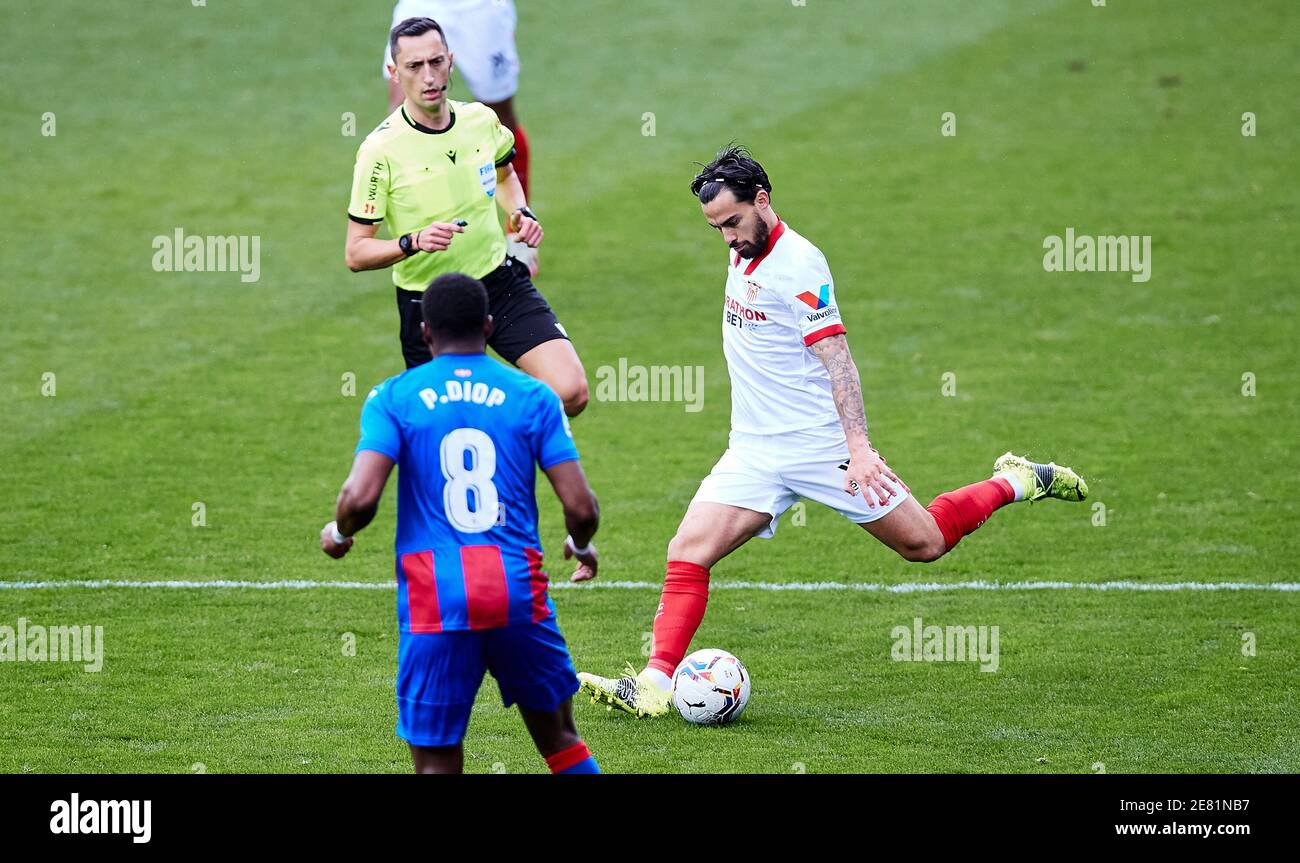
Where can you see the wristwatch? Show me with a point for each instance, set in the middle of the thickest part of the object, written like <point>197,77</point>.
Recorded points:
<point>524,211</point>
<point>406,245</point>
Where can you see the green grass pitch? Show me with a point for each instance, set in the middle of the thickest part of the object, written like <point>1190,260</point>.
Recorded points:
<point>171,389</point>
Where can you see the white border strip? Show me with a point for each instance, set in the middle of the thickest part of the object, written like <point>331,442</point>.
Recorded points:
<point>776,586</point>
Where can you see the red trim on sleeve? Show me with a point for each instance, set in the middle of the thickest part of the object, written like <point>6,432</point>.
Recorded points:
<point>771,243</point>
<point>824,332</point>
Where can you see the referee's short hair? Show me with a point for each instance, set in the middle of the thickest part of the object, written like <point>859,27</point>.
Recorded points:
<point>455,306</point>
<point>412,27</point>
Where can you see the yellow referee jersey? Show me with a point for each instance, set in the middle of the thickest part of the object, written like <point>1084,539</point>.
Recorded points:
<point>409,175</point>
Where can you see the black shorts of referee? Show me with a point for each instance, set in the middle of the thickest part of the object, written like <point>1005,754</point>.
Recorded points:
<point>521,317</point>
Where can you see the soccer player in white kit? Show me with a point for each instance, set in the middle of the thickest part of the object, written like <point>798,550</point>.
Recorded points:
<point>798,429</point>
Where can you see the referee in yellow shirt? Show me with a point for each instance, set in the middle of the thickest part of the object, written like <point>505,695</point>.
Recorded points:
<point>435,171</point>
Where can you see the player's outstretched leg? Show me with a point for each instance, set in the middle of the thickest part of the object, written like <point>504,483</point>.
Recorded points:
<point>709,532</point>
<point>925,535</point>
<point>960,512</point>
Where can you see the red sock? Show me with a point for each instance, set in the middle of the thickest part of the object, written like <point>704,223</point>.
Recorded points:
<point>960,512</point>
<point>681,608</point>
<point>575,759</point>
<point>521,158</point>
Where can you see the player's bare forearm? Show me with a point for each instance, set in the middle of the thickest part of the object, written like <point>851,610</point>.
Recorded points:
<point>581,510</point>
<point>582,524</point>
<point>846,389</point>
<point>866,470</point>
<point>581,516</point>
<point>353,512</point>
<point>359,498</point>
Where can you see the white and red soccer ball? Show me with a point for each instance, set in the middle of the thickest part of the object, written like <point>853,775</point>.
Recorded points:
<point>710,687</point>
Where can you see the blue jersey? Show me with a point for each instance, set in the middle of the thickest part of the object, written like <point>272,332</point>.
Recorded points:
<point>467,434</point>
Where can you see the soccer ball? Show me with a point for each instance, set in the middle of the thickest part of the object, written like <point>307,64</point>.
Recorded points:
<point>710,687</point>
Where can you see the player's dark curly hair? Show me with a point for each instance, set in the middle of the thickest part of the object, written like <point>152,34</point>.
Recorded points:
<point>412,27</point>
<point>455,306</point>
<point>734,169</point>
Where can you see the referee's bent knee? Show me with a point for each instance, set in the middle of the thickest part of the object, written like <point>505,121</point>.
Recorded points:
<point>574,394</point>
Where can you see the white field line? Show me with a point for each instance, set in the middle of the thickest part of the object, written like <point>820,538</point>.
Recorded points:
<point>869,587</point>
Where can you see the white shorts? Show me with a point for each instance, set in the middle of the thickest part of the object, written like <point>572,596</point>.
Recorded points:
<point>768,473</point>
<point>481,37</point>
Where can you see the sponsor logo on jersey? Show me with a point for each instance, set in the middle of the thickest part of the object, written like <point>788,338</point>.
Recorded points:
<point>372,188</point>
<point>734,305</point>
<point>827,312</point>
<point>451,154</point>
<point>736,314</point>
<point>819,300</point>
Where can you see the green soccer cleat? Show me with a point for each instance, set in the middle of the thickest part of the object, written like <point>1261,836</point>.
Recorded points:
<point>1042,480</point>
<point>631,692</point>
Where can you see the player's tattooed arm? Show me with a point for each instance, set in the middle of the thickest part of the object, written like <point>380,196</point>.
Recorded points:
<point>866,470</point>
<point>846,389</point>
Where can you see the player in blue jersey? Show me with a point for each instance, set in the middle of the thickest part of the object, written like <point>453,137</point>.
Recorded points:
<point>467,434</point>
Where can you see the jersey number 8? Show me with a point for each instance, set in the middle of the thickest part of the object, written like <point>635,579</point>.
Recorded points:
<point>468,477</point>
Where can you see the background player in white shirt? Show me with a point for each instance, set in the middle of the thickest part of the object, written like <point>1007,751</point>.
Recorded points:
<point>798,429</point>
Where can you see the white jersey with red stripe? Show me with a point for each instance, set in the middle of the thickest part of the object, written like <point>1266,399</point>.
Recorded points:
<point>778,305</point>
